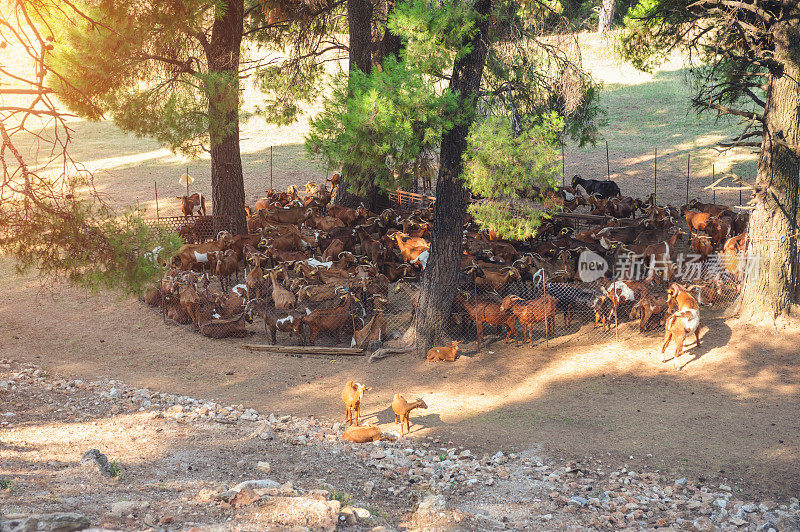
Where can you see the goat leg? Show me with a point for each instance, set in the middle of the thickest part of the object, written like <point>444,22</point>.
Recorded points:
<point>667,338</point>
<point>679,347</point>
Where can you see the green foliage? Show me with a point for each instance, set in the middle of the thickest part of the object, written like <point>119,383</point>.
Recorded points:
<point>143,66</point>
<point>517,223</point>
<point>5,484</point>
<point>88,245</point>
<point>497,164</point>
<point>385,123</point>
<point>433,33</point>
<point>643,43</point>
<point>115,469</point>
<point>504,169</point>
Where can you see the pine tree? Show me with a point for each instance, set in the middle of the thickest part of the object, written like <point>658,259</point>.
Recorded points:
<point>172,70</point>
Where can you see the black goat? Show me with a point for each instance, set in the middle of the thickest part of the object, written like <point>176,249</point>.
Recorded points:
<point>601,189</point>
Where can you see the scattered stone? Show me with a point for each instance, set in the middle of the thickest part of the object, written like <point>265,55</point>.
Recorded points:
<point>125,508</point>
<point>54,522</point>
<point>347,516</point>
<point>578,501</point>
<point>263,467</point>
<point>368,487</point>
<point>288,512</point>
<point>255,484</point>
<point>244,497</point>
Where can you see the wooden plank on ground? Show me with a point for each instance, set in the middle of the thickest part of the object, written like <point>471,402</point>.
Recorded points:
<point>305,349</point>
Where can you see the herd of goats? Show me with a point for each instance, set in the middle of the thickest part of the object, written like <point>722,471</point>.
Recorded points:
<point>309,266</point>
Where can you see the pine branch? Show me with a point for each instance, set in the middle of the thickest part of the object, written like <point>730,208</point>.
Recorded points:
<point>724,110</point>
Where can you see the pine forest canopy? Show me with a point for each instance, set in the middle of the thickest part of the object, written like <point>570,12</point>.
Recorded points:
<point>172,70</point>
<point>387,125</point>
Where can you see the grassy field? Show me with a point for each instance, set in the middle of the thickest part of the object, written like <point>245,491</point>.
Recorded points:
<point>647,112</point>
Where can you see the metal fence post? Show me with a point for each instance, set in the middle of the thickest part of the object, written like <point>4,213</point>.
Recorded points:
<point>475,291</point>
<point>655,174</point>
<point>563,161</point>
<point>270,167</point>
<point>546,326</point>
<point>155,184</point>
<point>688,171</point>
<point>713,179</point>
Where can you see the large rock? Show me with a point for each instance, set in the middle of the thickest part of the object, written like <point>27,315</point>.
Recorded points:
<point>56,522</point>
<point>255,485</point>
<point>93,458</point>
<point>286,512</point>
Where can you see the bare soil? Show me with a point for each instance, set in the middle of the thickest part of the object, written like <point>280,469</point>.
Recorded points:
<point>731,414</point>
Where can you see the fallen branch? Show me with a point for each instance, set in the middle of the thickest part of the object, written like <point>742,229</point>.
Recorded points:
<point>305,350</point>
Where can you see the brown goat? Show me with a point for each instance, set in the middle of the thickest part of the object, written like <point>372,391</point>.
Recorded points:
<point>226,328</point>
<point>444,354</point>
<point>336,320</point>
<point>541,309</point>
<point>282,297</point>
<point>375,327</point>
<point>489,312</point>
<point>282,320</point>
<point>403,408</point>
<point>365,434</point>
<point>227,265</point>
<point>333,250</point>
<point>345,214</point>
<point>702,245</point>
<point>684,322</point>
<point>351,395</point>
<point>193,203</point>
<point>646,309</point>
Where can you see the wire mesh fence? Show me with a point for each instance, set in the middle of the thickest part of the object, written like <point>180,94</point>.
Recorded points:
<point>532,310</point>
<point>193,229</point>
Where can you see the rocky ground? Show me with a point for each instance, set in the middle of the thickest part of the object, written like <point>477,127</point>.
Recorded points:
<point>75,455</point>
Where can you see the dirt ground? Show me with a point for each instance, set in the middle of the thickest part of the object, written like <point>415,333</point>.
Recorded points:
<point>731,414</point>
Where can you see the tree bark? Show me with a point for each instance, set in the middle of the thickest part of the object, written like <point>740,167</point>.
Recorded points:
<point>606,15</point>
<point>440,279</point>
<point>222,53</point>
<point>768,293</point>
<point>359,22</point>
<point>366,51</point>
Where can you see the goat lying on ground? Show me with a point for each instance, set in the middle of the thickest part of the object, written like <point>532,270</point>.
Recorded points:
<point>351,395</point>
<point>403,408</point>
<point>227,328</point>
<point>365,434</point>
<point>444,354</point>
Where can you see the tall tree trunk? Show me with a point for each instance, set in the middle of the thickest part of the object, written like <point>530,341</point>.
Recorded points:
<point>769,292</point>
<point>222,52</point>
<point>365,52</point>
<point>606,15</point>
<point>440,278</point>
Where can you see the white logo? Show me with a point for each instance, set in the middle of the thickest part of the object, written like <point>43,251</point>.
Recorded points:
<point>591,266</point>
